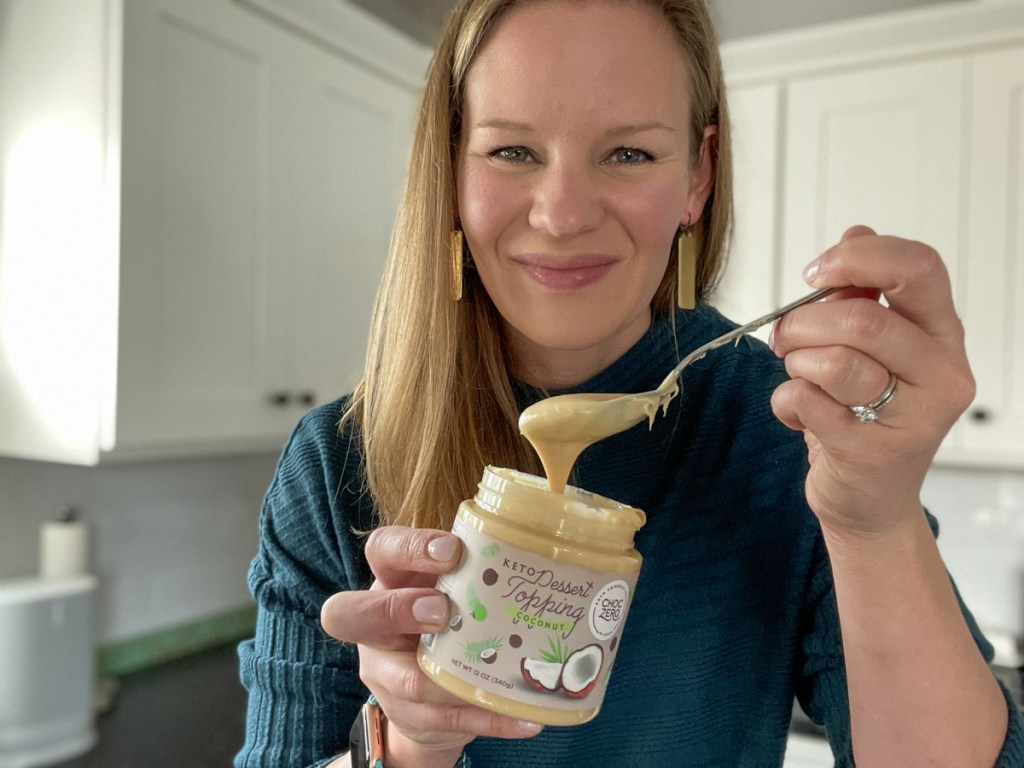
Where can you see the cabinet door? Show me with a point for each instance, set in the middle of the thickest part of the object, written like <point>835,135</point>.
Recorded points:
<point>195,216</point>
<point>878,147</point>
<point>747,289</point>
<point>993,429</point>
<point>58,228</point>
<point>881,148</point>
<point>340,140</point>
<point>260,178</point>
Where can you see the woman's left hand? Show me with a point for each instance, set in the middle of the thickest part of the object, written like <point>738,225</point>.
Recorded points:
<point>866,478</point>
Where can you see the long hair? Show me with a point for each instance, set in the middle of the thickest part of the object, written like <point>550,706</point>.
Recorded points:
<point>435,404</point>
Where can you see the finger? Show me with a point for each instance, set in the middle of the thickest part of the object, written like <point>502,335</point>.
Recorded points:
<point>857,230</point>
<point>396,677</point>
<point>849,292</point>
<point>853,292</point>
<point>413,717</point>
<point>910,274</point>
<point>402,557</point>
<point>784,408</point>
<point>867,327</point>
<point>384,618</point>
<point>848,376</point>
<point>801,402</point>
<point>419,707</point>
<point>902,428</point>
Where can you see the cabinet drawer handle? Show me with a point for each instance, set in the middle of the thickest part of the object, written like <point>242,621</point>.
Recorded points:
<point>980,415</point>
<point>279,399</point>
<point>307,398</point>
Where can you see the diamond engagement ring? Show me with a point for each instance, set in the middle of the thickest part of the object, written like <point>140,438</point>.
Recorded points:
<point>869,413</point>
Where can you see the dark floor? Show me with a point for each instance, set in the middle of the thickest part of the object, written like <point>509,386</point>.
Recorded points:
<point>189,712</point>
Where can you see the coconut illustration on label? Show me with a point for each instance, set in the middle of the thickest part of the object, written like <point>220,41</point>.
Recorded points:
<point>576,676</point>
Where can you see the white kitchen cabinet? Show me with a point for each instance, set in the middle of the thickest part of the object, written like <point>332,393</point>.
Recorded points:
<point>930,151</point>
<point>992,265</point>
<point>747,288</point>
<point>206,271</point>
<point>909,123</point>
<point>879,147</point>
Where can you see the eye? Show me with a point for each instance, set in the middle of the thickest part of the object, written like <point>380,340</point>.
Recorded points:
<point>517,155</point>
<point>630,156</point>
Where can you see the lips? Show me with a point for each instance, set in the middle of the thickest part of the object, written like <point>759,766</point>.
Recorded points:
<point>566,273</point>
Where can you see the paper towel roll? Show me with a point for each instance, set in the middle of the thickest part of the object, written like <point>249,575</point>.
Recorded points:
<point>64,547</point>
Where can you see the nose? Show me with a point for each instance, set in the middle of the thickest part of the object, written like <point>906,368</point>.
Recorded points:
<point>566,200</point>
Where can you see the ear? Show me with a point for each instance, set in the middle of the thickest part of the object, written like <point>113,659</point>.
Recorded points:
<point>702,178</point>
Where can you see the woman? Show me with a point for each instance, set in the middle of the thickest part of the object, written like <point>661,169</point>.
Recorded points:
<point>571,142</point>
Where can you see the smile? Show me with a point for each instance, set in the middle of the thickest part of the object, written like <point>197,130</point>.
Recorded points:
<point>568,273</point>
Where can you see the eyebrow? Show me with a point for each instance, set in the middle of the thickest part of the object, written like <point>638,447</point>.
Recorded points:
<point>621,130</point>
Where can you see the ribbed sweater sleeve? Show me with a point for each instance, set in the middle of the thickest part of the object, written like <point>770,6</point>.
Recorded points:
<point>821,686</point>
<point>304,688</point>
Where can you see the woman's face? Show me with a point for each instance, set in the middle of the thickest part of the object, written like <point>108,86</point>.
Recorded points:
<point>574,176</point>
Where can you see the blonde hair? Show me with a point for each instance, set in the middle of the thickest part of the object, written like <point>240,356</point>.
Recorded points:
<point>435,404</point>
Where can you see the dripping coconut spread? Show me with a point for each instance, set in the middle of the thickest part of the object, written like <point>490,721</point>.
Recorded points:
<point>540,597</point>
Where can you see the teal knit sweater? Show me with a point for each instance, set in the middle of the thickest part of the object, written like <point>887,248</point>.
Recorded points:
<point>734,613</point>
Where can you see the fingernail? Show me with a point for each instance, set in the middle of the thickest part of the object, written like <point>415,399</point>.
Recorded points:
<point>430,610</point>
<point>443,548</point>
<point>527,727</point>
<point>771,338</point>
<point>811,270</point>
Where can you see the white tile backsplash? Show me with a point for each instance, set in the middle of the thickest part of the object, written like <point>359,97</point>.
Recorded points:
<point>981,537</point>
<point>172,540</point>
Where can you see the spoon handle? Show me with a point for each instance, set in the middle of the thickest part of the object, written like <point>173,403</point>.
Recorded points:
<point>743,330</point>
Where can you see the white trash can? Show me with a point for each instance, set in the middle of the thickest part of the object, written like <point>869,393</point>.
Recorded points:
<point>47,670</point>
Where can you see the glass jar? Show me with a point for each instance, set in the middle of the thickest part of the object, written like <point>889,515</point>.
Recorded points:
<point>539,599</point>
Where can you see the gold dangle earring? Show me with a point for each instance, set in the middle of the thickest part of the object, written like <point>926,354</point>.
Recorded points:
<point>686,263</point>
<point>455,246</point>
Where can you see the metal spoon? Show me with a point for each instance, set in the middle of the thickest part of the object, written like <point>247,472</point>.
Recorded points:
<point>734,335</point>
<point>577,420</point>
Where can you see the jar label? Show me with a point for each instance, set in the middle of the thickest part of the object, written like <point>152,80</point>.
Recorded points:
<point>534,630</point>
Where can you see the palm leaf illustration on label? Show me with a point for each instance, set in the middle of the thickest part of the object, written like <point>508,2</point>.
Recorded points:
<point>485,650</point>
<point>491,549</point>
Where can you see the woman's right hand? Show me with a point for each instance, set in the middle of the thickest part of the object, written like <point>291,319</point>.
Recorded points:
<point>427,726</point>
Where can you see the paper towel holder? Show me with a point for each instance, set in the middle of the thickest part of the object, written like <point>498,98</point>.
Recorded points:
<point>66,513</point>
<point>64,545</point>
